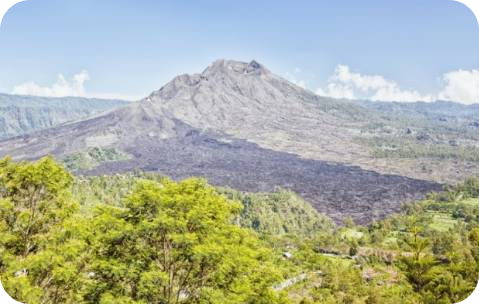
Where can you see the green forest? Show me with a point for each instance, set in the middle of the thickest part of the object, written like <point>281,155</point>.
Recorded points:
<point>143,238</point>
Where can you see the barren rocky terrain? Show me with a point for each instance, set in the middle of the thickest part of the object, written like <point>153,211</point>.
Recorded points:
<point>247,101</point>
<point>239,125</point>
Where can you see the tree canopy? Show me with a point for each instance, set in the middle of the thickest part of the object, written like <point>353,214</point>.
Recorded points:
<point>149,239</point>
<point>170,243</point>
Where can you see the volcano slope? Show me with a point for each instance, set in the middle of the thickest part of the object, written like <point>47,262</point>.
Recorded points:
<point>247,101</point>
<point>205,125</point>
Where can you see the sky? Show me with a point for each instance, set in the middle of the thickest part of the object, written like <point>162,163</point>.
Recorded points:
<point>383,50</point>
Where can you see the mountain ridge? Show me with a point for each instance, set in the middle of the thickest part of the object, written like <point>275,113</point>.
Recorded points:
<point>21,114</point>
<point>241,126</point>
<point>230,95</point>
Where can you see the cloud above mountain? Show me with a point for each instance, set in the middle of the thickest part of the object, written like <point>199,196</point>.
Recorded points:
<point>460,86</point>
<point>62,87</point>
<point>347,84</point>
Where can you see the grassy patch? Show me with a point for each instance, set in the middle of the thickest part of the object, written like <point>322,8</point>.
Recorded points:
<point>400,147</point>
<point>92,158</point>
<point>471,202</point>
<point>442,221</point>
<point>350,233</point>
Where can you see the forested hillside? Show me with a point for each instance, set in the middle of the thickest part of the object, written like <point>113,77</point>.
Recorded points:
<point>169,243</point>
<point>24,114</point>
<point>142,238</point>
<point>278,213</point>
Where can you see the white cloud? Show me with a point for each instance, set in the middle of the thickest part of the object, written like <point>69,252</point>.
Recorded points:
<point>300,83</point>
<point>74,87</point>
<point>461,86</point>
<point>346,84</point>
<point>292,77</point>
<point>337,90</point>
<point>62,87</point>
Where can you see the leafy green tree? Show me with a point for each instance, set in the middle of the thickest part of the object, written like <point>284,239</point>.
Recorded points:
<point>342,283</point>
<point>474,239</point>
<point>34,197</point>
<point>417,261</point>
<point>447,287</point>
<point>167,242</point>
<point>35,201</point>
<point>353,248</point>
<point>175,242</point>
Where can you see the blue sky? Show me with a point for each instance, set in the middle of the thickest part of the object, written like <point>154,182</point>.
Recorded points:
<point>343,48</point>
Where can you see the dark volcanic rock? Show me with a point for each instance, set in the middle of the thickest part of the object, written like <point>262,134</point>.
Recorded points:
<point>334,189</point>
<point>196,125</point>
<point>424,137</point>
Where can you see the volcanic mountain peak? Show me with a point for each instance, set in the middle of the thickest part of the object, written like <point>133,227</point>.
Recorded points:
<point>171,89</point>
<point>223,66</point>
<point>245,100</point>
<point>220,73</point>
<point>234,124</point>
